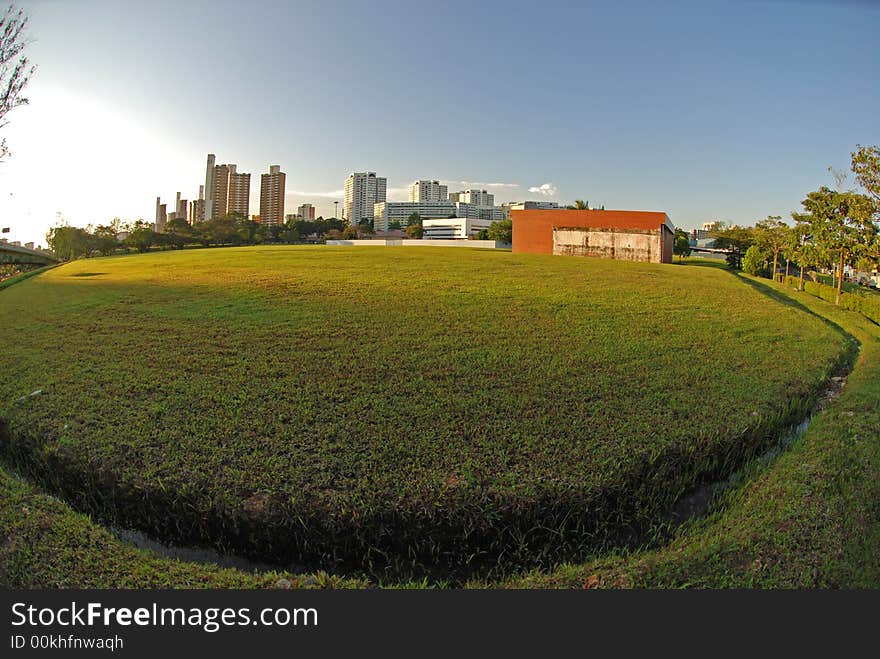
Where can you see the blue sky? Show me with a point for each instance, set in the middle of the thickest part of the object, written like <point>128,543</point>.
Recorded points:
<point>705,110</point>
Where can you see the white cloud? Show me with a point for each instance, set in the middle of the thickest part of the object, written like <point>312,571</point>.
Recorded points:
<point>479,184</point>
<point>545,189</point>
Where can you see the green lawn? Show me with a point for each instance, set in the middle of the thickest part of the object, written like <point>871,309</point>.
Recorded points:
<point>440,410</point>
<point>809,519</point>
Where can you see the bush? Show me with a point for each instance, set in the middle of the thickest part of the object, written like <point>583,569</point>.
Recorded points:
<point>755,262</point>
<point>868,306</point>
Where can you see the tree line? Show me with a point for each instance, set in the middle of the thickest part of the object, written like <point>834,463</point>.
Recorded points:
<point>836,229</point>
<point>231,229</point>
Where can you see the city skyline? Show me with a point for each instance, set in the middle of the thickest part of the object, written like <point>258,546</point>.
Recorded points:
<point>702,111</point>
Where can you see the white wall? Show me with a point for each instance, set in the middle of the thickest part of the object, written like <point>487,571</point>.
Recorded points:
<point>396,242</point>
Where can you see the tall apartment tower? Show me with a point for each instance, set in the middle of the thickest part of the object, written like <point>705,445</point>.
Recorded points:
<point>219,194</point>
<point>362,191</point>
<point>272,196</point>
<point>180,207</point>
<point>475,197</point>
<point>239,199</point>
<point>197,207</point>
<point>306,212</point>
<point>209,188</point>
<point>230,192</point>
<point>428,191</point>
<point>161,215</point>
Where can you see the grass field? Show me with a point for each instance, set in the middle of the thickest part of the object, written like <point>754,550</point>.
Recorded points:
<point>439,411</point>
<point>809,519</point>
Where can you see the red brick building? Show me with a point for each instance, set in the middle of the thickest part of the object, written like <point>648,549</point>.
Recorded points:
<point>624,235</point>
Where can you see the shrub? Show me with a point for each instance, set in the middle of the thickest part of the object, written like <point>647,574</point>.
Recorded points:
<point>867,305</point>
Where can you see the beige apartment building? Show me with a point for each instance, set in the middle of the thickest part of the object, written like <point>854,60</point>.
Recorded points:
<point>272,188</point>
<point>219,191</point>
<point>239,192</point>
<point>229,191</point>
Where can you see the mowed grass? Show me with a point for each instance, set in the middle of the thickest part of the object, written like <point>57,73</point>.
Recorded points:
<point>439,409</point>
<point>809,519</point>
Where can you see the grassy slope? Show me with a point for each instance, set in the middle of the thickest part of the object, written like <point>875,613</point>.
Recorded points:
<point>17,279</point>
<point>810,519</point>
<point>146,345</point>
<point>45,544</point>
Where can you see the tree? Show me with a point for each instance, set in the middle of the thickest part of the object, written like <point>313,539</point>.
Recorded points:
<point>482,234</point>
<point>756,261</point>
<point>69,242</point>
<point>223,230</point>
<point>804,249</point>
<point>842,226</point>
<point>289,235</point>
<point>141,237</point>
<point>15,70</point>
<point>866,167</point>
<point>247,229</point>
<point>178,233</point>
<point>332,223</point>
<point>105,237</point>
<point>579,205</point>
<point>414,220</point>
<point>682,244</point>
<point>394,225</point>
<point>771,236</point>
<point>501,231</point>
<point>792,249</point>
<point>736,240</point>
<point>839,177</point>
<point>415,231</point>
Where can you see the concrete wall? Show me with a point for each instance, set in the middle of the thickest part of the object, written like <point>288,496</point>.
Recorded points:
<point>393,242</point>
<point>438,242</point>
<point>379,242</point>
<point>620,244</point>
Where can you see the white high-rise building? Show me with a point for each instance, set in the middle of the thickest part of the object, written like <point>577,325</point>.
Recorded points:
<point>386,212</point>
<point>473,211</point>
<point>475,197</point>
<point>428,191</point>
<point>363,190</point>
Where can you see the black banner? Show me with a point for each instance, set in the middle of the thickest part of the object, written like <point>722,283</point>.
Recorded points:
<point>427,623</point>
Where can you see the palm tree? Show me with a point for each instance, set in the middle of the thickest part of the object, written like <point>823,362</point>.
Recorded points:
<point>579,205</point>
